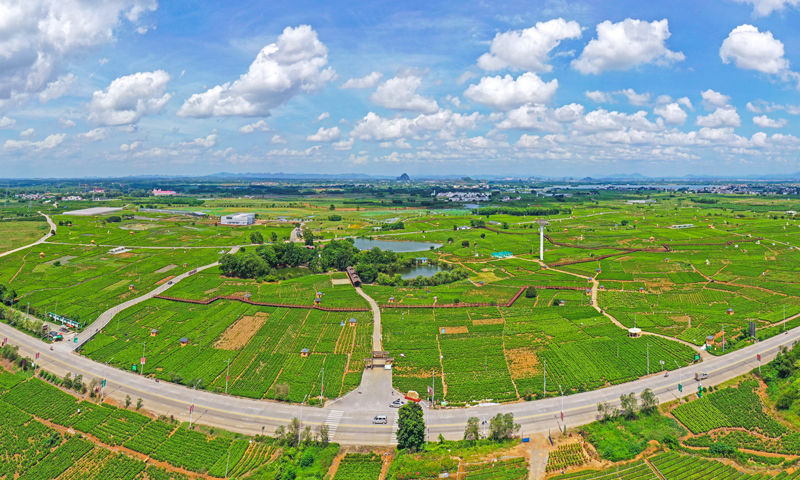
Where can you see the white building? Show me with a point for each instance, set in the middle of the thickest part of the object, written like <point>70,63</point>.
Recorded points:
<point>239,219</point>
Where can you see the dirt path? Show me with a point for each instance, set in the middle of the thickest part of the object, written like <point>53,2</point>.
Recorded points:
<point>377,335</point>
<point>595,284</point>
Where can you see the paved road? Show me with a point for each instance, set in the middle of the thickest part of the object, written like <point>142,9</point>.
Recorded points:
<point>353,418</point>
<point>377,335</point>
<point>53,228</point>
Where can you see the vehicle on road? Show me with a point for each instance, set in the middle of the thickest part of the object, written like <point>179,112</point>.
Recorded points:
<point>169,283</point>
<point>700,376</point>
<point>380,419</point>
<point>397,403</point>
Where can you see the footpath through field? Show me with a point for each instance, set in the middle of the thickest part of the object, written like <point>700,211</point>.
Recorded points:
<point>109,314</point>
<point>49,234</point>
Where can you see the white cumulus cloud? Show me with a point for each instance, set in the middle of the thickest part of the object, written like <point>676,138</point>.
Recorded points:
<point>750,49</point>
<point>528,49</point>
<point>721,117</point>
<point>39,36</point>
<point>325,135</point>
<point>400,93</point>
<point>623,45</point>
<point>504,93</point>
<point>201,142</point>
<point>130,147</point>
<point>260,125</point>
<point>635,98</point>
<point>27,133</point>
<point>369,81</point>
<point>672,113</point>
<point>57,88</point>
<point>762,8</point>
<point>94,135</point>
<point>129,98</point>
<point>765,122</point>
<point>6,122</point>
<point>713,100</point>
<point>294,64</point>
<point>48,143</point>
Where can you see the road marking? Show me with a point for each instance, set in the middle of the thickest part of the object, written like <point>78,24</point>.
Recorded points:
<point>333,422</point>
<point>393,438</point>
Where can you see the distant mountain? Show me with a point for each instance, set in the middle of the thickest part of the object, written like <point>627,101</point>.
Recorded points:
<point>403,178</point>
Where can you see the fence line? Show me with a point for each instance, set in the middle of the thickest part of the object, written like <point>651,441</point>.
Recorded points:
<point>260,304</point>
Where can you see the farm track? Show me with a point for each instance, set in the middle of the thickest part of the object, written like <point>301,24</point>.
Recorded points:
<point>53,228</point>
<point>259,304</point>
<point>595,283</point>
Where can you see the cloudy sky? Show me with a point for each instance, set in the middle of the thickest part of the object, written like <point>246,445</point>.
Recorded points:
<point>549,88</point>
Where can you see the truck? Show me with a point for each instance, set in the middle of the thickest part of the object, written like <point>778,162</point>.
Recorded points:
<point>700,376</point>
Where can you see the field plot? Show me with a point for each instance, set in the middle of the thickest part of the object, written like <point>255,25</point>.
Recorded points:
<point>89,280</point>
<point>501,355</point>
<point>15,234</point>
<point>298,291</point>
<point>263,345</point>
<point>356,466</point>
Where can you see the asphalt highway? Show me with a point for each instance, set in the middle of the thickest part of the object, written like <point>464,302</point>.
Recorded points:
<point>350,418</point>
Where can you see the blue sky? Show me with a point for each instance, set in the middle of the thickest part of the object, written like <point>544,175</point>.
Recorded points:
<point>552,88</point>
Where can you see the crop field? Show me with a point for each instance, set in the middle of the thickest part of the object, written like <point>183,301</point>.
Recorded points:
<point>736,264</point>
<point>30,449</point>
<point>263,345</point>
<point>356,466</point>
<point>297,291</point>
<point>82,282</point>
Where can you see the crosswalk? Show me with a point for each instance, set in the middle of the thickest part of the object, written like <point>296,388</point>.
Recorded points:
<point>393,439</point>
<point>333,423</point>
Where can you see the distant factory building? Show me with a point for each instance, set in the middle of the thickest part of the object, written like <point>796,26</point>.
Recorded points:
<point>239,219</point>
<point>163,193</point>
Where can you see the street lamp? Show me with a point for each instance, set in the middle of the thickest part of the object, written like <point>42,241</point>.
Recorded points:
<point>301,414</point>
<point>191,409</point>
<point>144,348</point>
<point>680,379</point>
<point>227,375</point>
<point>104,377</point>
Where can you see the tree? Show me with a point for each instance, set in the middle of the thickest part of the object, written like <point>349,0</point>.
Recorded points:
<point>127,401</point>
<point>323,432</point>
<point>624,223</point>
<point>410,427</point>
<point>292,435</point>
<point>472,432</point>
<point>309,237</point>
<point>629,404</point>
<point>67,380</point>
<point>648,399</point>
<point>502,426</point>
<point>505,225</point>
<point>273,237</point>
<point>77,383</point>
<point>607,412</point>
<point>465,243</point>
<point>530,292</point>
<point>256,238</point>
<point>333,207</point>
<point>139,403</point>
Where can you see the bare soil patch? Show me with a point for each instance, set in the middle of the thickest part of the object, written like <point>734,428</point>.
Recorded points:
<point>236,336</point>
<point>165,279</point>
<point>488,321</point>
<point>450,330</point>
<point>522,362</point>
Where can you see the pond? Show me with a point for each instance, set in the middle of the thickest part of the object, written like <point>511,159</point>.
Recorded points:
<point>399,247</point>
<point>415,271</point>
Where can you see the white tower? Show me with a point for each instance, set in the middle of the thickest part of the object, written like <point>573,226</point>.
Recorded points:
<point>542,224</point>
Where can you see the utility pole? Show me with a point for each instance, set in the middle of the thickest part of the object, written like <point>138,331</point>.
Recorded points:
<point>228,463</point>
<point>680,380</point>
<point>105,370</point>
<point>544,389</point>
<point>191,409</point>
<point>648,359</point>
<point>784,318</point>
<point>227,375</point>
<point>723,338</point>
<point>301,414</point>
<point>322,387</point>
<point>144,348</point>
<point>562,405</point>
